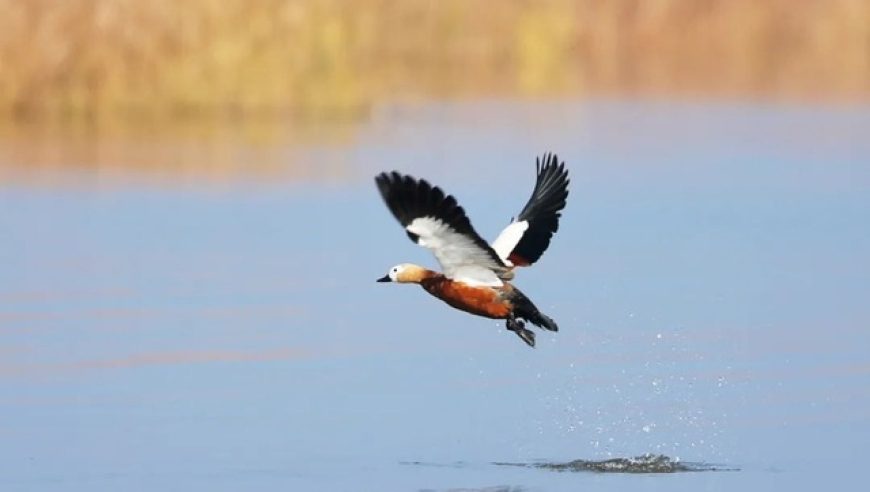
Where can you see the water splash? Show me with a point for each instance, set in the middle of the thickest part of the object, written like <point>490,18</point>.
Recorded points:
<point>647,463</point>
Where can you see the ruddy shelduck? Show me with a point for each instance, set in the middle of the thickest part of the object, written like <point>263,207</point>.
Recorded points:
<point>476,274</point>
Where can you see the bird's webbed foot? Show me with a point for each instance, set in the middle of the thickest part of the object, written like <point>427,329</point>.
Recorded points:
<point>519,327</point>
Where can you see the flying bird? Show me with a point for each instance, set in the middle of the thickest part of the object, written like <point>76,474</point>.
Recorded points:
<point>476,274</point>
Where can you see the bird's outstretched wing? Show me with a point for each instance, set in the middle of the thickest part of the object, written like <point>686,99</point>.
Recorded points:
<point>435,221</point>
<point>526,238</point>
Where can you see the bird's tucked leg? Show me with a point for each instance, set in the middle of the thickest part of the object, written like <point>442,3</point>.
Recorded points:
<point>519,328</point>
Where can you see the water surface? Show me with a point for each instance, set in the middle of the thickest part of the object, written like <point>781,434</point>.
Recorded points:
<point>193,329</point>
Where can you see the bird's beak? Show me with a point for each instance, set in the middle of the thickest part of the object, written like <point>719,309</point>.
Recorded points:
<point>385,278</point>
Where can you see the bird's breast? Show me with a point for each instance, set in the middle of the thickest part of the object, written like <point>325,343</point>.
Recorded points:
<point>482,301</point>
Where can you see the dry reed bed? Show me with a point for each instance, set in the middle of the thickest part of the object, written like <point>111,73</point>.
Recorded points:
<point>87,58</point>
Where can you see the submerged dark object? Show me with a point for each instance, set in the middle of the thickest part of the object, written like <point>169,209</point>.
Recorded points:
<point>647,463</point>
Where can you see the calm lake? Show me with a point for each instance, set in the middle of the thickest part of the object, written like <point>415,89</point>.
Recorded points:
<point>188,312</point>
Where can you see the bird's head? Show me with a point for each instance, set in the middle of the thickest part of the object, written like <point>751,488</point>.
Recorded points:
<point>404,273</point>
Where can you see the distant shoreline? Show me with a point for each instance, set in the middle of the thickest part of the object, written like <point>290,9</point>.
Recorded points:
<point>81,60</point>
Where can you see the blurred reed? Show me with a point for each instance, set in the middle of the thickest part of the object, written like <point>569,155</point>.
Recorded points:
<point>86,59</point>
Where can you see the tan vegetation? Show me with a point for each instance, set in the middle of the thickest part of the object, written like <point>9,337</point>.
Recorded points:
<point>335,58</point>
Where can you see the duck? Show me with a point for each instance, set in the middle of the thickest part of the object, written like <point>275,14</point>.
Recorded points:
<point>475,276</point>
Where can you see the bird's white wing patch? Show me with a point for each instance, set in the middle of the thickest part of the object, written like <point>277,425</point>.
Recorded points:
<point>460,258</point>
<point>476,276</point>
<point>508,239</point>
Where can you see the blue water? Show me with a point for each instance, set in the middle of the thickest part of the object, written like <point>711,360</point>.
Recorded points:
<point>711,280</point>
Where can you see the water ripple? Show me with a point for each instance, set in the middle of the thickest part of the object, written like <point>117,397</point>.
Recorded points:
<point>647,463</point>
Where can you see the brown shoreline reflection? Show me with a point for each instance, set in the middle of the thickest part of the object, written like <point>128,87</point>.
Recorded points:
<point>170,154</point>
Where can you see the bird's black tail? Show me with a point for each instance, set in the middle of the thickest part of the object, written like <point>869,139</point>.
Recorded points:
<point>544,321</point>
<point>525,309</point>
